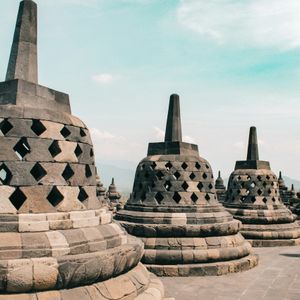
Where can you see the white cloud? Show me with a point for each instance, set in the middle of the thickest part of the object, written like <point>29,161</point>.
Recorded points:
<point>103,78</point>
<point>99,134</point>
<point>258,23</point>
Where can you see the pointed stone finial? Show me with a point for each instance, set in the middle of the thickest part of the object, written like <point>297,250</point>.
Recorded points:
<point>23,56</point>
<point>292,188</point>
<point>252,145</point>
<point>173,128</point>
<point>219,174</point>
<point>113,181</point>
<point>280,175</point>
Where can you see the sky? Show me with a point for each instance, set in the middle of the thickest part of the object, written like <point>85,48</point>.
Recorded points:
<point>234,63</point>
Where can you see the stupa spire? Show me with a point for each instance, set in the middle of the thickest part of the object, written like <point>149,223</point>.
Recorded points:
<point>173,128</point>
<point>252,145</point>
<point>23,56</point>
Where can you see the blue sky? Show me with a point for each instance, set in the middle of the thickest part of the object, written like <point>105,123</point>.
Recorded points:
<point>234,63</point>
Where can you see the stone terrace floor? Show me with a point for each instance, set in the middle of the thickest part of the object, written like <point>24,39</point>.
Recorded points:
<point>276,277</point>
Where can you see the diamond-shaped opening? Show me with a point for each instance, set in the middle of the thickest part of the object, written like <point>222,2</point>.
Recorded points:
<point>265,200</point>
<point>177,175</point>
<point>184,166</point>
<point>242,184</point>
<point>207,166</point>
<point>192,176</point>
<point>153,165</point>
<point>91,152</point>
<point>259,178</point>
<point>168,166</point>
<point>38,172</point>
<point>272,184</point>
<point>82,196</point>
<point>268,177</point>
<point>88,171</point>
<point>253,199</point>
<point>238,191</point>
<point>38,127</point>
<point>176,197</point>
<point>194,197</point>
<point>17,198</point>
<point>159,197</point>
<point>54,149</point>
<point>204,175</point>
<point>248,177</point>
<point>239,177</point>
<point>200,186</point>
<point>82,132</point>
<point>67,173</point>
<point>207,197</point>
<point>5,126</point>
<point>22,148</point>
<point>273,199</point>
<point>269,191</point>
<point>5,174</point>
<point>264,184</point>
<point>65,132</point>
<point>185,186</point>
<point>55,196</point>
<point>78,151</point>
<point>259,192</point>
<point>198,166</point>
<point>160,175</point>
<point>167,185</point>
<point>210,186</point>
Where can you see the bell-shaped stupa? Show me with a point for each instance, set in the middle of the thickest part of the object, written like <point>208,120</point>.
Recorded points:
<point>57,242</point>
<point>253,197</point>
<point>220,188</point>
<point>174,209</point>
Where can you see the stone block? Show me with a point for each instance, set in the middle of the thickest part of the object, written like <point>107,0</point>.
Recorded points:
<point>19,275</point>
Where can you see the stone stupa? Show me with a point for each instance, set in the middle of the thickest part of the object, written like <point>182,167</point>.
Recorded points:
<point>253,197</point>
<point>220,188</point>
<point>174,209</point>
<point>56,241</point>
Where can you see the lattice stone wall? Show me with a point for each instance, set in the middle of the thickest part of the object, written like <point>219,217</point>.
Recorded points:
<point>45,165</point>
<point>257,187</point>
<point>173,180</point>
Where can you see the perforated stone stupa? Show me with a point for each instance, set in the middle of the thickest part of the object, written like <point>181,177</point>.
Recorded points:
<point>253,197</point>
<point>220,188</point>
<point>173,208</point>
<point>56,241</point>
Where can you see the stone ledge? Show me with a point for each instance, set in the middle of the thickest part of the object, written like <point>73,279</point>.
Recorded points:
<point>136,284</point>
<point>207,269</point>
<point>274,243</point>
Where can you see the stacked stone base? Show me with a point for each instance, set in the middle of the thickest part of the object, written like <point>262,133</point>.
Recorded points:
<point>268,228</point>
<point>136,284</point>
<point>204,242</point>
<point>76,255</point>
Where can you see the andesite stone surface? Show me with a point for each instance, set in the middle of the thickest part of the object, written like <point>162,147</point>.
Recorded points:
<point>174,209</point>
<point>57,239</point>
<point>253,197</point>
